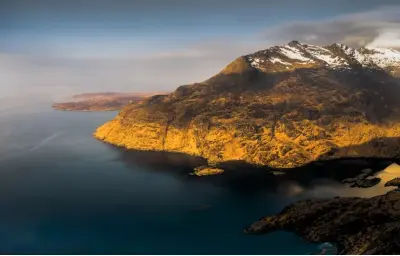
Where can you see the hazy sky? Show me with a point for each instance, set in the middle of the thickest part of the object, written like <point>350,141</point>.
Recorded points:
<point>57,47</point>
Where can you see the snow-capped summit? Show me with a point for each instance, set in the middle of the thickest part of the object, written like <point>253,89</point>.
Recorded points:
<point>336,56</point>
<point>383,57</point>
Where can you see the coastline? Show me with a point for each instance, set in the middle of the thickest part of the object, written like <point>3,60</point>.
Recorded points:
<point>350,167</point>
<point>337,169</point>
<point>334,220</point>
<point>86,110</point>
<point>353,165</point>
<point>365,161</point>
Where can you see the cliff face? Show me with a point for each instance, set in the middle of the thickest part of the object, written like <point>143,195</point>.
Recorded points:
<point>282,107</point>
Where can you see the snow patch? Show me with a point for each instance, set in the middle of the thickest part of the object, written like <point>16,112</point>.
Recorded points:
<point>380,57</point>
<point>361,58</point>
<point>277,60</point>
<point>331,61</point>
<point>256,63</point>
<point>326,56</point>
<point>293,53</point>
<point>384,57</point>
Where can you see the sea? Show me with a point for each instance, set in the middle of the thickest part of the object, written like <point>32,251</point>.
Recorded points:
<point>64,192</point>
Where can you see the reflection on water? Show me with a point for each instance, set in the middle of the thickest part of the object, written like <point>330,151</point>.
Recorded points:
<point>179,164</point>
<point>331,188</point>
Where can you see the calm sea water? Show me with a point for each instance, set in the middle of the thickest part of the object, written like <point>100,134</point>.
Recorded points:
<point>63,192</point>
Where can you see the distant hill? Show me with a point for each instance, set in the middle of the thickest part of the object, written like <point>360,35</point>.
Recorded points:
<point>102,101</point>
<point>283,107</point>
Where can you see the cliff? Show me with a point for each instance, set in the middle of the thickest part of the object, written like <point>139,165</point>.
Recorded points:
<point>282,107</point>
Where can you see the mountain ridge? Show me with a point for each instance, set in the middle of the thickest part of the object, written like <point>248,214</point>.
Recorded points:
<point>333,56</point>
<point>283,107</point>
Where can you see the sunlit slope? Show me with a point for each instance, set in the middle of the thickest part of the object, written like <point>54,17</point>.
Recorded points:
<point>283,107</point>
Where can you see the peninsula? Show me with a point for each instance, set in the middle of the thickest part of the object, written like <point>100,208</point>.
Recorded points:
<point>106,101</point>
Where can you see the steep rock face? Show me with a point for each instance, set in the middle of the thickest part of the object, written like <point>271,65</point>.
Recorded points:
<point>283,107</point>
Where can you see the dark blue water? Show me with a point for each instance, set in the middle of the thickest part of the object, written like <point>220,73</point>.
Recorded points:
<point>63,192</point>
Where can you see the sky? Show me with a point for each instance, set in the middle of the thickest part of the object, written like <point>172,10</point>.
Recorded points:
<point>55,48</point>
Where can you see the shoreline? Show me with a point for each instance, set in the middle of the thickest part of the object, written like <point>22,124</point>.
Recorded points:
<point>317,169</point>
<point>86,110</point>
<point>334,220</point>
<point>365,161</point>
<point>335,169</point>
<point>349,167</point>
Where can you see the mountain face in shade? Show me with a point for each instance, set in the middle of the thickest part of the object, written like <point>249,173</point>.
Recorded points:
<point>283,107</point>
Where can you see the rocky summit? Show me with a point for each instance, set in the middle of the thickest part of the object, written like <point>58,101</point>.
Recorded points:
<point>282,107</point>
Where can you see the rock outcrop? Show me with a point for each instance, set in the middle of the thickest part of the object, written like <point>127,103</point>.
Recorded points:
<point>393,183</point>
<point>282,107</point>
<point>207,171</point>
<point>363,180</point>
<point>356,225</point>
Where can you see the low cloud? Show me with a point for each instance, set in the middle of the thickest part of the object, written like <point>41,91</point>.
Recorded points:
<point>378,28</point>
<point>54,77</point>
<point>389,38</point>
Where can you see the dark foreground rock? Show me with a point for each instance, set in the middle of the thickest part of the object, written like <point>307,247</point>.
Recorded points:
<point>355,225</point>
<point>366,183</point>
<point>395,183</point>
<point>363,180</point>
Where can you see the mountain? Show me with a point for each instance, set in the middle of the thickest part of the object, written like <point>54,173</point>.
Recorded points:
<point>282,107</point>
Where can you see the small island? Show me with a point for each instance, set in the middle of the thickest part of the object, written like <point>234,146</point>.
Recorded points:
<point>207,171</point>
<point>103,101</point>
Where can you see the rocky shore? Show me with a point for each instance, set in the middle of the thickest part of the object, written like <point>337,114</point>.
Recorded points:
<point>355,225</point>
